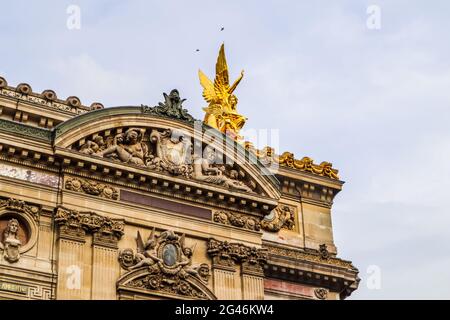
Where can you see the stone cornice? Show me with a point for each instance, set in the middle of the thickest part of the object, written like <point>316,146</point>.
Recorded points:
<point>314,257</point>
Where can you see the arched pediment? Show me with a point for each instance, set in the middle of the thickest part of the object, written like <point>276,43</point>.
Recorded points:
<point>131,138</point>
<point>140,282</point>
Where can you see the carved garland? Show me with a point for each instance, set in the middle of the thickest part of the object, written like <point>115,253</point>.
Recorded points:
<point>92,188</point>
<point>237,220</point>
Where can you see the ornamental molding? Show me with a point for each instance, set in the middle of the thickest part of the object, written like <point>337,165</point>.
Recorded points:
<point>226,255</point>
<point>237,220</point>
<point>92,188</point>
<point>73,225</point>
<point>163,264</point>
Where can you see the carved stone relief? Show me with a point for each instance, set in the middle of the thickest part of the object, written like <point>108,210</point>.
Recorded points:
<point>18,228</point>
<point>226,254</point>
<point>167,262</point>
<point>169,151</point>
<point>281,217</point>
<point>237,220</point>
<point>321,293</point>
<point>92,188</point>
<point>74,225</point>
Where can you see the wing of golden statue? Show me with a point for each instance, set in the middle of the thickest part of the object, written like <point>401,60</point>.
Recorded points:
<point>209,93</point>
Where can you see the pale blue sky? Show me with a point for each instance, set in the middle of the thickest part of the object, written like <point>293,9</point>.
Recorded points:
<point>373,102</point>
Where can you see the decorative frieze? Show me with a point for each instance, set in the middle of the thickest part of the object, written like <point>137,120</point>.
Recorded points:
<point>314,257</point>
<point>74,225</point>
<point>237,220</point>
<point>92,187</point>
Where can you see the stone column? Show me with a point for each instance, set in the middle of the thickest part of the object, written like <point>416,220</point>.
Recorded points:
<point>105,268</point>
<point>225,256</point>
<point>75,278</point>
<point>252,282</point>
<point>71,245</point>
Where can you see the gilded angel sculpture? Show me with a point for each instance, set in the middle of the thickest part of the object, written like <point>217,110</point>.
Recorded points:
<point>221,112</point>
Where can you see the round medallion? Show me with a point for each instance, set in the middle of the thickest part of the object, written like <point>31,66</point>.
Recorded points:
<point>169,254</point>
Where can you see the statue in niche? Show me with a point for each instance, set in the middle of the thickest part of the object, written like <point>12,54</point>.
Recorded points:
<point>11,243</point>
<point>206,172</point>
<point>172,152</point>
<point>127,147</point>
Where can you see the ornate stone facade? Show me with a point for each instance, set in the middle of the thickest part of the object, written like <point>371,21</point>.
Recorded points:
<point>145,203</point>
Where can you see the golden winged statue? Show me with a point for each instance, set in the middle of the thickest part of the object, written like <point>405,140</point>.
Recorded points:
<point>221,111</point>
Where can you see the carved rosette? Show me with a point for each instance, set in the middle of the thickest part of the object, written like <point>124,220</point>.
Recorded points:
<point>74,225</point>
<point>321,293</point>
<point>236,220</point>
<point>282,217</point>
<point>225,255</point>
<point>92,187</point>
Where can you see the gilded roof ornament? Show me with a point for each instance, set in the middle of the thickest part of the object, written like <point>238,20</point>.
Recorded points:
<point>287,159</point>
<point>221,112</point>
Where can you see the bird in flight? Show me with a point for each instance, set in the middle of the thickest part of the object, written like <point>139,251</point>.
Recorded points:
<point>197,50</point>
<point>221,29</point>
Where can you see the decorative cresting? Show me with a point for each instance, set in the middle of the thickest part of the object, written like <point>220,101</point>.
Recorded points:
<point>47,98</point>
<point>163,266</point>
<point>74,225</point>
<point>282,217</point>
<point>227,254</point>
<point>267,156</point>
<point>21,230</point>
<point>171,107</point>
<point>237,220</point>
<point>221,112</point>
<point>169,151</point>
<point>91,187</point>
